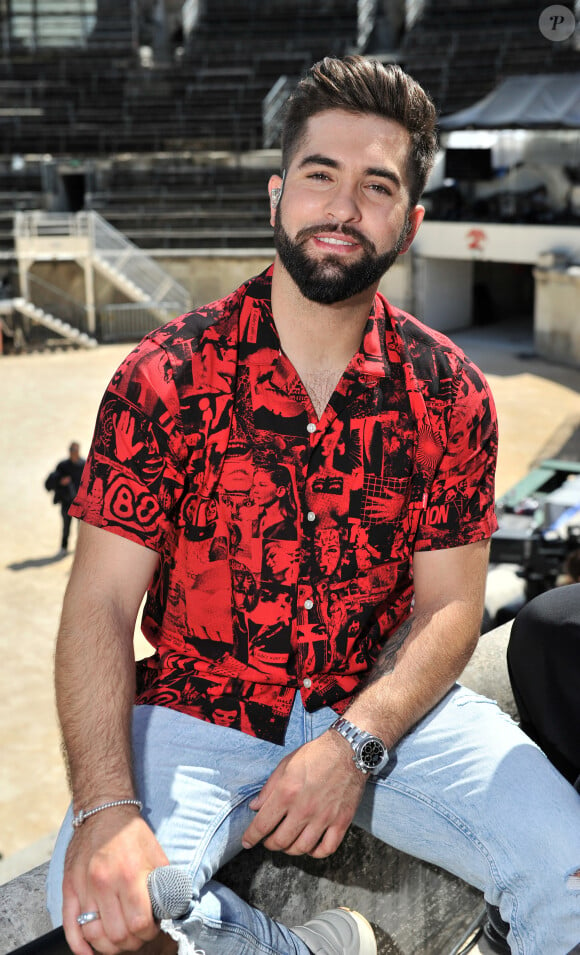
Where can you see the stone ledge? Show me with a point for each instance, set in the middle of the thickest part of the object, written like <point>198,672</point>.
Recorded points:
<point>414,907</point>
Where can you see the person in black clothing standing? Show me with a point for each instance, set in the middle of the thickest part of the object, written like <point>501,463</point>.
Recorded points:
<point>65,481</point>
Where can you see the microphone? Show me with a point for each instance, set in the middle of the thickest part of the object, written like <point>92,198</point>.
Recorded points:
<point>170,891</point>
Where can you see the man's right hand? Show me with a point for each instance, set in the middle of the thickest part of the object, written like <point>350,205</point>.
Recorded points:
<point>106,869</point>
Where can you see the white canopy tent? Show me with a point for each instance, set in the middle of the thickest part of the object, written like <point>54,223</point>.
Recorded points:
<point>549,101</point>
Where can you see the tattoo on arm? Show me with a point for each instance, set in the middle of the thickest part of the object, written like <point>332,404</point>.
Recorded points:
<point>387,658</point>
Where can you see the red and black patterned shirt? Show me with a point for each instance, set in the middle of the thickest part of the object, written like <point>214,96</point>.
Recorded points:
<point>286,542</point>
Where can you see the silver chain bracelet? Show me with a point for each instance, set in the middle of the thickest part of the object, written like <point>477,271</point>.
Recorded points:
<point>85,813</point>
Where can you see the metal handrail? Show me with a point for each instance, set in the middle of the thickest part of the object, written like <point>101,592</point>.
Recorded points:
<point>53,300</point>
<point>120,253</point>
<point>367,15</point>
<point>132,320</point>
<point>272,109</point>
<point>28,225</point>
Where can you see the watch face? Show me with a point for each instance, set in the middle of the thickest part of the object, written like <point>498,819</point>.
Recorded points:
<point>371,753</point>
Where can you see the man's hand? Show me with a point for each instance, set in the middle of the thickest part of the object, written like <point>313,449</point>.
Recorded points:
<point>106,869</point>
<point>125,445</point>
<point>309,801</point>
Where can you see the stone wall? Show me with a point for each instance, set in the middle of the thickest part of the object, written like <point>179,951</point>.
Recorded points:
<point>557,305</point>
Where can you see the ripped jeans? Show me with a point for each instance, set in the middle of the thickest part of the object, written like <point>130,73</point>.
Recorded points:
<point>465,790</point>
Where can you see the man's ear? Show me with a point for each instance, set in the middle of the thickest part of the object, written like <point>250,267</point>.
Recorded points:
<point>415,219</point>
<point>275,186</point>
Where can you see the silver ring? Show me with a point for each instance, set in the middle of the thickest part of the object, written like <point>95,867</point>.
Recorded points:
<point>85,917</point>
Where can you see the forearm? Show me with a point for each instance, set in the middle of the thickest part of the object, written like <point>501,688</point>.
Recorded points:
<point>95,689</point>
<point>423,658</point>
<point>95,663</point>
<point>414,670</point>
<point>111,854</point>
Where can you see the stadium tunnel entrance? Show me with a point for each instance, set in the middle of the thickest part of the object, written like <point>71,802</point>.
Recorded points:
<point>503,290</point>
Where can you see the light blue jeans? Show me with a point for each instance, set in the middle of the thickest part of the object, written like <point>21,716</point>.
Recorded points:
<point>465,789</point>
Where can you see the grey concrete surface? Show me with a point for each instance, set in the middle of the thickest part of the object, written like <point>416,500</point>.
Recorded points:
<point>23,915</point>
<point>487,671</point>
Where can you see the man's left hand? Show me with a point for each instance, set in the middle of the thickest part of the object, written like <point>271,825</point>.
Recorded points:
<point>309,801</point>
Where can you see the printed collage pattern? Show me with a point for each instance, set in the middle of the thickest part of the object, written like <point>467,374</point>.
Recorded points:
<point>285,541</point>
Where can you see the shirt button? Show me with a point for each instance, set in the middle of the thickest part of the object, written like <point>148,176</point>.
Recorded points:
<point>308,604</point>
<point>311,516</point>
<point>307,683</point>
<point>311,427</point>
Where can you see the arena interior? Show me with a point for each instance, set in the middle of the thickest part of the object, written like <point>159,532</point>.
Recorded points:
<point>137,142</point>
<point>138,139</point>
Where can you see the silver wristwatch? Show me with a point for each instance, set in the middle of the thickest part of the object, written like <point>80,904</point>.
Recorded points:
<point>369,752</point>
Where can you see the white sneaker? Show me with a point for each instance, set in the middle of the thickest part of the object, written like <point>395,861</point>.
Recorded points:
<point>338,932</point>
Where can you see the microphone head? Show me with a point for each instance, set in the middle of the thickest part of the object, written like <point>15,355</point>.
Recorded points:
<point>170,891</point>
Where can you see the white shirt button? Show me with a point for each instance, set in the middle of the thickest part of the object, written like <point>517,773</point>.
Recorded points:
<point>311,427</point>
<point>307,683</point>
<point>311,516</point>
<point>308,604</point>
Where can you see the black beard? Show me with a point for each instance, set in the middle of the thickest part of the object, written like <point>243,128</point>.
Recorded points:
<point>330,280</point>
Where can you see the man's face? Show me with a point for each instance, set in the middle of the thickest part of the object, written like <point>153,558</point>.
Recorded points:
<point>344,215</point>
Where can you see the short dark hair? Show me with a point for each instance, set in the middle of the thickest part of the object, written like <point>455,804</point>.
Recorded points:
<point>361,85</point>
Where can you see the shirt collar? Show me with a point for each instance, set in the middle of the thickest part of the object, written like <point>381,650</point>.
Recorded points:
<point>259,337</point>
<point>258,334</point>
<point>371,360</point>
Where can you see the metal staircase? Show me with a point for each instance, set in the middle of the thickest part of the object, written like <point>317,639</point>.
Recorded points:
<point>126,265</point>
<point>68,331</point>
<point>87,238</point>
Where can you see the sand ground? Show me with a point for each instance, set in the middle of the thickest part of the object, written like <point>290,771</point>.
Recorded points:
<point>49,399</point>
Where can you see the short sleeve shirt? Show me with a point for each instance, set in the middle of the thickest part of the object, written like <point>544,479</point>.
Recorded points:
<point>286,541</point>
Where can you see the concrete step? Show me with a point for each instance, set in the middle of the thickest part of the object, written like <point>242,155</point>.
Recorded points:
<point>54,323</point>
